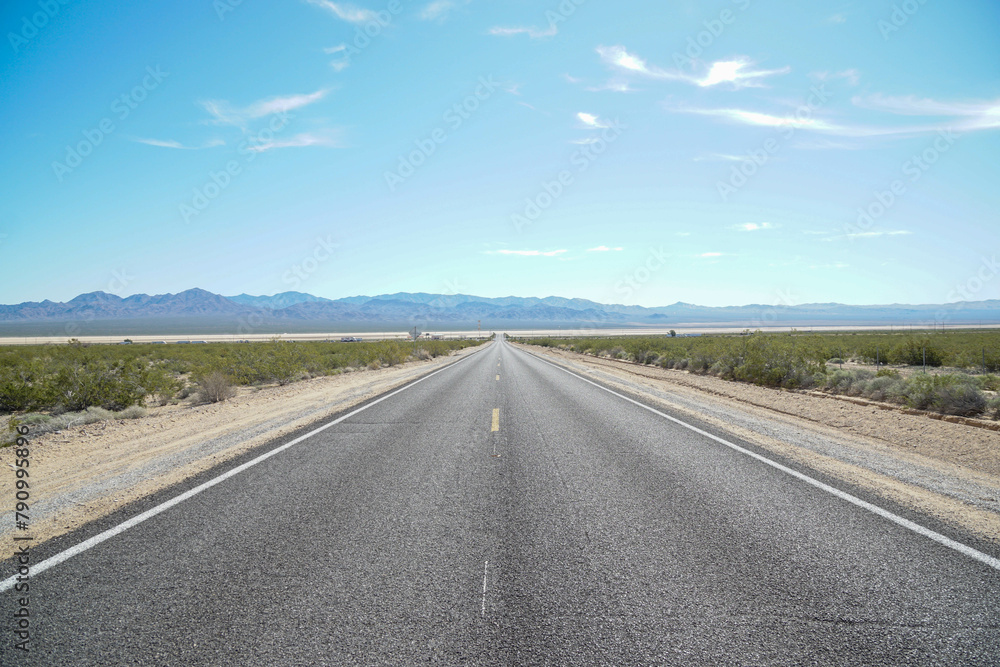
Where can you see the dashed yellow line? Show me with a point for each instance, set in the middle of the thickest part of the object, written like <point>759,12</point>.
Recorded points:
<point>496,419</point>
<point>498,377</point>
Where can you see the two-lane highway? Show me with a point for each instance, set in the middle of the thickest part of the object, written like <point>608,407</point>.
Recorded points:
<point>504,511</point>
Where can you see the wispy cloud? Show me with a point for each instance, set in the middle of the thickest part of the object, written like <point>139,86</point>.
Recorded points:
<point>613,85</point>
<point>224,113</point>
<point>890,232</point>
<point>439,9</point>
<point>341,63</point>
<point>961,117</point>
<point>327,140</point>
<point>528,253</point>
<point>530,31</point>
<point>591,121</point>
<point>754,226</point>
<point>710,255</point>
<point>836,18</point>
<point>739,72</point>
<point>715,157</point>
<point>977,115</point>
<point>604,248</point>
<point>346,12</point>
<point>852,76</point>
<point>170,143</point>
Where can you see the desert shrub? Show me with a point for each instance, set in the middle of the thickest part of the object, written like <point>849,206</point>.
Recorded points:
<point>215,387</point>
<point>989,382</point>
<point>131,412</point>
<point>885,388</point>
<point>993,408</point>
<point>645,357</point>
<point>910,351</point>
<point>109,384</point>
<point>947,394</point>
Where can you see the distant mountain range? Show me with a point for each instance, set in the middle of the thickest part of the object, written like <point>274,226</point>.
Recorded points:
<point>204,310</point>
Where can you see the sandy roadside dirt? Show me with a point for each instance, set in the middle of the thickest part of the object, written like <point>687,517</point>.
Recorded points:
<point>86,472</point>
<point>948,470</point>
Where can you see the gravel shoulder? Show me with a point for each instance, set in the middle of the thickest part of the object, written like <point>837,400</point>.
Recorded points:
<point>84,473</point>
<point>948,470</point>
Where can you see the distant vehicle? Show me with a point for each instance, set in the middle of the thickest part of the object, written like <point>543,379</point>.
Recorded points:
<point>158,342</point>
<point>350,339</point>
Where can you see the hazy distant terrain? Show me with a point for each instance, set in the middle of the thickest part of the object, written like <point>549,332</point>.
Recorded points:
<point>200,311</point>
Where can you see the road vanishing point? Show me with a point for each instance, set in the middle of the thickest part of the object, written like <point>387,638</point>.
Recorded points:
<point>504,510</point>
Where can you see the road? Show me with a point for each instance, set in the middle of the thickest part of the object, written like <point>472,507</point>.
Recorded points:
<point>505,512</point>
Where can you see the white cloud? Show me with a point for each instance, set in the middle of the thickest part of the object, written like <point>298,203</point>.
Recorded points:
<point>439,9</point>
<point>531,31</point>
<point>836,18</point>
<point>617,56</point>
<point>737,72</point>
<point>170,143</point>
<point>965,117</point>
<point>613,85</point>
<point>604,248</point>
<point>328,140</point>
<point>710,254</point>
<point>754,226</point>
<point>713,157</point>
<point>985,112</point>
<point>528,253</point>
<point>343,62</point>
<point>592,122</point>
<point>225,114</point>
<point>346,12</point>
<point>892,232</point>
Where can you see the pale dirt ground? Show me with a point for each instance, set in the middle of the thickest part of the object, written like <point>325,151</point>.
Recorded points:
<point>87,472</point>
<point>950,470</point>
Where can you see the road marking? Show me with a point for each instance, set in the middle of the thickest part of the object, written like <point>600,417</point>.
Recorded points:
<point>496,420</point>
<point>486,569</point>
<point>498,377</point>
<point>843,495</point>
<point>8,583</point>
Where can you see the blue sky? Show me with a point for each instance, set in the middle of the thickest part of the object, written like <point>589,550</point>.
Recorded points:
<point>720,153</point>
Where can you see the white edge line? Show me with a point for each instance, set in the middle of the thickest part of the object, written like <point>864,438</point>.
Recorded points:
<point>52,561</point>
<point>854,500</point>
<point>486,569</point>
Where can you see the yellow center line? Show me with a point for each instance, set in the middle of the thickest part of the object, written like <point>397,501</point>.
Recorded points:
<point>496,419</point>
<point>498,377</point>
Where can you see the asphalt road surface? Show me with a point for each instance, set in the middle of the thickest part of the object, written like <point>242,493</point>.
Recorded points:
<point>504,512</point>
